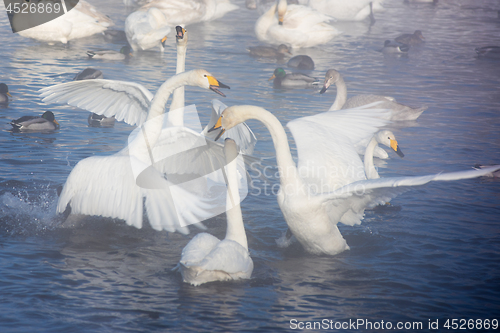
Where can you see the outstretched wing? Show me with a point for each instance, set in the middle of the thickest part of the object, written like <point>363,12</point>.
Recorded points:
<point>326,142</point>
<point>126,101</point>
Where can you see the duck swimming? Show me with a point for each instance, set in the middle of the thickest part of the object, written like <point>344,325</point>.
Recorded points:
<point>295,80</point>
<point>124,53</point>
<point>411,39</point>
<point>269,52</point>
<point>4,94</point>
<point>301,62</point>
<point>46,122</point>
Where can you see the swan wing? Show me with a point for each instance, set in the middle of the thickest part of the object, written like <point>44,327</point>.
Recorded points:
<point>198,248</point>
<point>369,193</point>
<point>126,101</point>
<point>325,142</point>
<point>106,186</point>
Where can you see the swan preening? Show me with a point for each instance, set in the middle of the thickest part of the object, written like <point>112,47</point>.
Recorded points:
<point>297,26</point>
<point>147,29</point>
<point>329,184</point>
<point>206,258</point>
<point>398,111</point>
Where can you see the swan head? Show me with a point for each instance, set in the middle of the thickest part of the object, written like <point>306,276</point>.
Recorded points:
<point>204,79</point>
<point>278,73</point>
<point>282,6</point>
<point>229,118</point>
<point>331,77</point>
<point>181,35</point>
<point>388,139</point>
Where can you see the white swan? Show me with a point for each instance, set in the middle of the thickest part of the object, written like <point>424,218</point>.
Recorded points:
<point>297,26</point>
<point>398,111</point>
<point>147,29</point>
<point>386,138</point>
<point>313,202</point>
<point>206,258</point>
<point>352,10</point>
<point>108,185</point>
<point>186,12</point>
<point>81,21</point>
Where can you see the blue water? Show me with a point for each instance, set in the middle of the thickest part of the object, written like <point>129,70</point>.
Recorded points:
<point>437,258</point>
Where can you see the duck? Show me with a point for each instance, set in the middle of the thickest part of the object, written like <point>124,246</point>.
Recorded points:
<point>124,53</point>
<point>298,26</point>
<point>399,112</point>
<point>295,80</point>
<point>147,29</point>
<point>492,52</point>
<point>95,120</point>
<point>4,94</point>
<point>82,21</point>
<point>353,10</point>
<point>301,62</point>
<point>46,122</point>
<point>206,258</point>
<point>415,38</point>
<point>394,48</point>
<point>269,51</point>
<point>328,184</point>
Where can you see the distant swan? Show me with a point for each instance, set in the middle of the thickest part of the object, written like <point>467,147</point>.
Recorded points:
<point>147,29</point>
<point>297,26</point>
<point>398,111</point>
<point>313,203</point>
<point>205,258</point>
<point>351,10</point>
<point>82,21</point>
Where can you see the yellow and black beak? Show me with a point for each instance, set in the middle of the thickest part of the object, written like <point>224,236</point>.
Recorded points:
<point>218,125</point>
<point>163,40</point>
<point>280,19</point>
<point>179,32</point>
<point>215,84</point>
<point>395,147</point>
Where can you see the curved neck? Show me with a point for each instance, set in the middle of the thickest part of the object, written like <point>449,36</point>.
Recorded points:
<point>341,97</point>
<point>264,22</point>
<point>235,228</point>
<point>178,96</point>
<point>371,172</point>
<point>287,167</point>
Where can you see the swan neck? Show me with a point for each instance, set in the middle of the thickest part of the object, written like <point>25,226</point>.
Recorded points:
<point>286,164</point>
<point>235,227</point>
<point>178,99</point>
<point>341,97</point>
<point>371,172</point>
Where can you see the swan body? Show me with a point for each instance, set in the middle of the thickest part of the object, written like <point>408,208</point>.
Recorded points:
<point>398,111</point>
<point>115,186</point>
<point>313,202</point>
<point>124,53</point>
<point>295,80</point>
<point>147,29</point>
<point>205,258</point>
<point>82,21</point>
<point>386,138</point>
<point>46,122</point>
<point>301,62</point>
<point>411,39</point>
<point>4,94</point>
<point>394,48</point>
<point>352,10</point>
<point>297,26</point>
<point>269,51</point>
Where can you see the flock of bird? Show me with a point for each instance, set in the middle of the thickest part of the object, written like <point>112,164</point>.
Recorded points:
<point>334,179</point>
